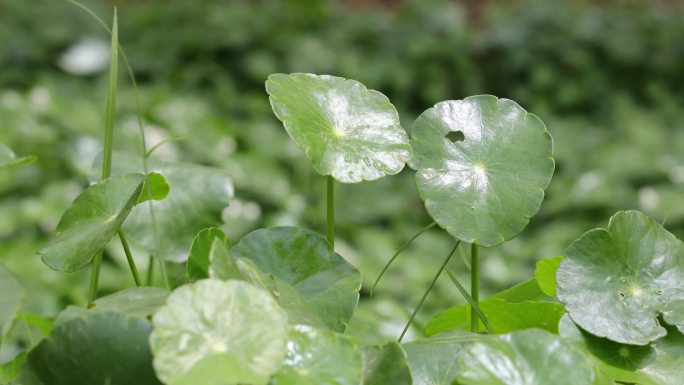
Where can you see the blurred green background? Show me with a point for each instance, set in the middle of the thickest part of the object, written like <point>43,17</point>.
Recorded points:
<point>607,78</point>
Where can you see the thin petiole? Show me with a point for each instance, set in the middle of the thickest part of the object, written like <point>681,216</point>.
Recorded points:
<point>170,139</point>
<point>474,287</point>
<point>432,284</point>
<point>404,246</point>
<point>330,203</point>
<point>472,302</point>
<point>108,143</point>
<point>129,258</point>
<point>150,272</point>
<point>165,276</point>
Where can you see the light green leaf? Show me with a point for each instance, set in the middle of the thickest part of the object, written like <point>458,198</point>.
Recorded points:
<point>527,290</point>
<point>98,348</point>
<point>9,371</point>
<point>434,363</point>
<point>307,262</point>
<point>527,357</point>
<point>11,295</point>
<point>198,261</point>
<point>546,274</point>
<point>216,332</point>
<point>347,130</point>
<point>91,221</point>
<point>155,188</point>
<point>8,159</point>
<point>503,317</point>
<point>614,282</point>
<point>659,363</point>
<point>385,364</point>
<point>482,166</point>
<point>133,302</point>
<point>319,357</point>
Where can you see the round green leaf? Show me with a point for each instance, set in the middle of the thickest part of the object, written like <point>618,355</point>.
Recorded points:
<point>307,262</point>
<point>11,295</point>
<point>659,363</point>
<point>91,221</point>
<point>319,357</point>
<point>545,274</point>
<point>527,357</point>
<point>347,130</point>
<point>385,364</point>
<point>198,261</point>
<point>482,166</point>
<point>615,282</point>
<point>216,332</point>
<point>97,348</point>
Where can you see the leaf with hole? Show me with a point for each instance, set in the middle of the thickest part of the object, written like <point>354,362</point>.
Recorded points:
<point>347,130</point>
<point>307,262</point>
<point>213,332</point>
<point>319,357</point>
<point>9,159</point>
<point>527,357</point>
<point>484,184</point>
<point>385,364</point>
<point>659,363</point>
<point>615,282</point>
<point>91,221</point>
<point>97,348</point>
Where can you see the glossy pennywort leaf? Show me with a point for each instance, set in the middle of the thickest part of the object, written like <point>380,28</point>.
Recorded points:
<point>319,357</point>
<point>485,184</point>
<point>615,282</point>
<point>134,301</point>
<point>213,332</point>
<point>432,362</point>
<point>96,348</point>
<point>307,262</point>
<point>91,221</point>
<point>347,130</point>
<point>527,357</point>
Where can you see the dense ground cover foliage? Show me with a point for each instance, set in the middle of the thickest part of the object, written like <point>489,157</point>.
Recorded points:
<point>613,115</point>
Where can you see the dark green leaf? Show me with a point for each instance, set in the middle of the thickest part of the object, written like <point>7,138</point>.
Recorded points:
<point>307,262</point>
<point>527,357</point>
<point>91,221</point>
<point>319,357</point>
<point>98,348</point>
<point>385,364</point>
<point>216,332</point>
<point>614,282</point>
<point>659,363</point>
<point>347,130</point>
<point>484,188</point>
